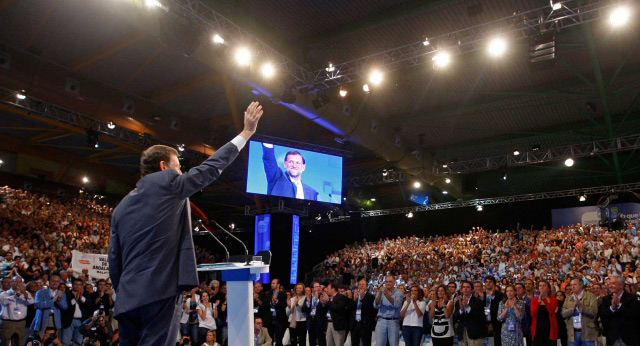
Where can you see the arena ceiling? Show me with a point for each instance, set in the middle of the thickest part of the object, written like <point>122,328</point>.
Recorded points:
<point>126,72</point>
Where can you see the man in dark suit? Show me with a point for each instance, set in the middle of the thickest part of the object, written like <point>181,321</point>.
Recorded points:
<point>620,314</point>
<point>469,314</point>
<point>78,310</point>
<point>289,183</point>
<point>363,316</point>
<point>336,306</point>
<point>151,252</point>
<point>315,318</point>
<point>275,311</point>
<point>491,299</point>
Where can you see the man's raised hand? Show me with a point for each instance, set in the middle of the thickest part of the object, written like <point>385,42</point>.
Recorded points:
<point>251,117</point>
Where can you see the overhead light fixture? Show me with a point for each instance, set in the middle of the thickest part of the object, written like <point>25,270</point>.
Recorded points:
<point>21,95</point>
<point>447,180</point>
<point>232,226</point>
<point>479,208</point>
<point>445,192</point>
<point>153,3</point>
<point>344,198</point>
<point>375,77</point>
<point>426,42</point>
<point>444,165</point>
<point>442,59</point>
<point>569,162</point>
<point>319,217</point>
<point>84,181</point>
<point>268,70</point>
<point>217,39</point>
<point>409,214</point>
<point>385,172</point>
<point>417,184</point>
<point>1,162</point>
<point>556,5</point>
<point>92,138</point>
<point>619,16</point>
<point>497,47</point>
<point>330,68</point>
<point>342,92</point>
<point>504,176</point>
<point>582,197</point>
<point>180,147</point>
<point>535,147</point>
<point>366,88</point>
<point>372,199</point>
<point>516,152</point>
<point>243,56</point>
<point>111,125</point>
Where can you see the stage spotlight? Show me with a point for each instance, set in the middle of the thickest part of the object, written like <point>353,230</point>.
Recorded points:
<point>619,16</point>
<point>582,198</point>
<point>217,39</point>
<point>441,59</point>
<point>111,125</point>
<point>409,214</point>
<point>84,181</point>
<point>232,226</point>
<point>180,147</point>
<point>268,70</point>
<point>243,56</point>
<point>330,68</point>
<point>375,77</point>
<point>92,138</point>
<point>497,47</point>
<point>426,41</point>
<point>479,208</point>
<point>342,92</point>
<point>504,176</point>
<point>556,5</point>
<point>447,180</point>
<point>385,172</point>
<point>417,184</point>
<point>372,199</point>
<point>21,95</point>
<point>516,152</point>
<point>366,88</point>
<point>569,162</point>
<point>444,165</point>
<point>445,192</point>
<point>153,3</point>
<point>1,162</point>
<point>319,217</point>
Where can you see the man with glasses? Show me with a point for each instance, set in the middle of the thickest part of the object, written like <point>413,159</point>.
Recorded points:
<point>288,183</point>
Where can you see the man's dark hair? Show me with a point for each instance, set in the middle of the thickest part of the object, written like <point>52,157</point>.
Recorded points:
<point>276,280</point>
<point>101,280</point>
<point>294,152</point>
<point>150,159</point>
<point>466,282</point>
<point>77,279</point>
<point>490,278</point>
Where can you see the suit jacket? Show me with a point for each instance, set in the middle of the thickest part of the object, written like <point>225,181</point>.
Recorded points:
<point>278,182</point>
<point>151,254</point>
<point>474,320</point>
<point>44,305</point>
<point>338,307</point>
<point>264,339</point>
<point>85,308</point>
<point>493,310</point>
<point>551,304</point>
<point>320,317</point>
<point>589,309</point>
<point>280,307</point>
<point>368,315</point>
<point>623,322</point>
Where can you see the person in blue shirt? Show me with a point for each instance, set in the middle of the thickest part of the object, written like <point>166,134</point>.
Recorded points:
<point>388,302</point>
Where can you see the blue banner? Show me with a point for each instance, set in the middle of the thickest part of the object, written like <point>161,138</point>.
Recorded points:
<point>295,245</point>
<point>262,239</point>
<point>591,215</point>
<point>419,198</point>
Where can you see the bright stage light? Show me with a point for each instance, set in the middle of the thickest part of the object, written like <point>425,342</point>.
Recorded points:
<point>582,198</point>
<point>497,47</point>
<point>330,68</point>
<point>445,192</point>
<point>366,88</point>
<point>619,16</point>
<point>342,92</point>
<point>243,56</point>
<point>409,214</point>
<point>516,152</point>
<point>441,59</point>
<point>373,200</point>
<point>417,184</point>
<point>447,180</point>
<point>426,42</point>
<point>85,180</point>
<point>111,125</point>
<point>217,39</point>
<point>375,77</point>
<point>268,70</point>
<point>569,162</point>
<point>479,208</point>
<point>21,96</point>
<point>153,3</point>
<point>556,5</point>
<point>180,147</point>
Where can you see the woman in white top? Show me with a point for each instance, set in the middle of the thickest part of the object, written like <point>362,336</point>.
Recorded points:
<point>210,339</point>
<point>413,313</point>
<point>297,318</point>
<point>207,314</point>
<point>440,311</point>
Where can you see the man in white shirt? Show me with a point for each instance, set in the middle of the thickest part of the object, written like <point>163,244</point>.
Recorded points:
<point>13,312</point>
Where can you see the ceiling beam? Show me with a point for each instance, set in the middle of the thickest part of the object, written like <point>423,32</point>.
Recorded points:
<point>107,50</point>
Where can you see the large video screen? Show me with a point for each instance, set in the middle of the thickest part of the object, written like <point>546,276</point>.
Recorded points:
<point>295,173</point>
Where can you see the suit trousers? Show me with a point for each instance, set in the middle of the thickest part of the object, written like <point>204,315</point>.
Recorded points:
<point>360,333</point>
<point>316,334</point>
<point>334,337</point>
<point>12,330</point>
<point>276,330</point>
<point>156,323</point>
<point>299,334</point>
<point>467,341</point>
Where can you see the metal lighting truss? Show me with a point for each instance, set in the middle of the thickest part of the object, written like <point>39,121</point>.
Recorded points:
<point>508,199</point>
<point>46,110</point>
<point>216,23</point>
<point>518,26</point>
<point>302,145</point>
<point>392,176</point>
<point>604,146</point>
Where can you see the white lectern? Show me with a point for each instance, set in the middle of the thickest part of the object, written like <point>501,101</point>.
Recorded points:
<point>239,278</point>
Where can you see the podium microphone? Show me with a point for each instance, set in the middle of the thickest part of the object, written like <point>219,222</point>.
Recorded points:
<point>214,237</point>
<point>246,252</point>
